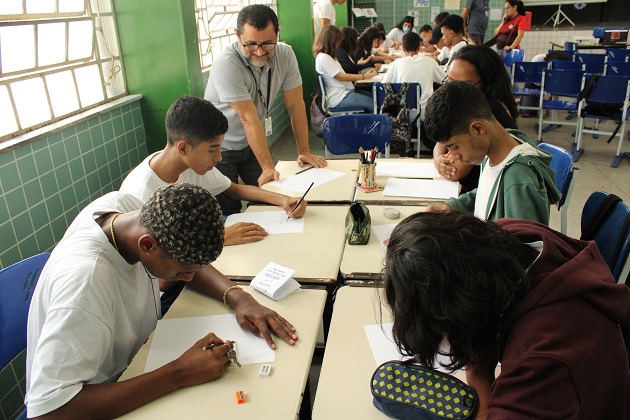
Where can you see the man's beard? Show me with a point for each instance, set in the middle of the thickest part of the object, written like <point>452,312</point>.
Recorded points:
<point>258,63</point>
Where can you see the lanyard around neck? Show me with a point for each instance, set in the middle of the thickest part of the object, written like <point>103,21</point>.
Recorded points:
<point>262,98</point>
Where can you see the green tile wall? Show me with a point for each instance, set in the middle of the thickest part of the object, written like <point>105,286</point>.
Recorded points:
<point>12,386</point>
<point>44,184</point>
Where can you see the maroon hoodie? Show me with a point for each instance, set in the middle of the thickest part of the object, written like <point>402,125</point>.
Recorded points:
<point>563,355</point>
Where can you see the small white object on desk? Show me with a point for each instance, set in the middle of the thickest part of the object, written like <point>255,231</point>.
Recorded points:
<point>275,281</point>
<point>265,370</point>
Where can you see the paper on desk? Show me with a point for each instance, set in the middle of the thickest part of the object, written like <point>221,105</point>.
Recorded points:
<point>173,337</point>
<point>425,188</point>
<point>275,281</point>
<point>384,349</point>
<point>407,169</point>
<point>383,232</point>
<point>274,222</point>
<point>300,182</point>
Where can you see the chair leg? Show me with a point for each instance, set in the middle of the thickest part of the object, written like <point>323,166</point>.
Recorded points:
<point>577,145</point>
<point>326,153</point>
<point>620,156</point>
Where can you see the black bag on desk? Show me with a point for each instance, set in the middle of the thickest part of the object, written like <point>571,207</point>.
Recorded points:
<point>403,390</point>
<point>358,224</point>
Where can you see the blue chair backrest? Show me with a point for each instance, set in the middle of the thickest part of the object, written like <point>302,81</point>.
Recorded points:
<point>567,65</point>
<point>322,84</point>
<point>527,72</point>
<point>562,164</point>
<point>563,82</point>
<point>609,89</point>
<point>618,68</point>
<point>617,55</point>
<point>598,32</point>
<point>609,233</point>
<point>17,283</point>
<point>344,134</point>
<point>413,93</point>
<point>595,63</point>
<point>513,56</point>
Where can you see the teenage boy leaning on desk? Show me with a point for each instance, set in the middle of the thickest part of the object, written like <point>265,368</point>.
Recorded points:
<point>516,179</point>
<point>96,303</point>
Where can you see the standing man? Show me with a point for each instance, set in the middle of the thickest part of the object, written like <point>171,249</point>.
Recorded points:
<point>324,13</point>
<point>475,16</point>
<point>243,84</point>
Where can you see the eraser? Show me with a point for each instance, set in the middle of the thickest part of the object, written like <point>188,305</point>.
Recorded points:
<point>240,397</point>
<point>265,370</point>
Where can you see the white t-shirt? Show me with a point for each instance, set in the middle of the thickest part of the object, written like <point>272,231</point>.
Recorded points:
<point>142,181</point>
<point>443,54</point>
<point>420,69</point>
<point>90,314</point>
<point>461,44</point>
<point>397,34</point>
<point>323,9</point>
<point>490,174</point>
<point>336,90</point>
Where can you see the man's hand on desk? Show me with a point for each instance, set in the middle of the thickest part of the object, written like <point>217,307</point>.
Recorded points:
<point>290,202</point>
<point>438,207</point>
<point>243,233</point>
<point>258,319</point>
<point>197,366</point>
<point>316,161</point>
<point>268,174</point>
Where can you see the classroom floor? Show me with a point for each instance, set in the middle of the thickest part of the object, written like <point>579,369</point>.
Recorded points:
<point>595,173</point>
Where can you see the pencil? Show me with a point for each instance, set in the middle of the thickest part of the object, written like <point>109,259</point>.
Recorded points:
<point>301,199</point>
<point>304,170</point>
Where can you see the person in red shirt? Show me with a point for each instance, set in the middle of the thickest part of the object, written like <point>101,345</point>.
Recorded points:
<point>511,31</point>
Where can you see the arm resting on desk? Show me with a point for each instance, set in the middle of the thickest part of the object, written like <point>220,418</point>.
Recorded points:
<point>251,193</point>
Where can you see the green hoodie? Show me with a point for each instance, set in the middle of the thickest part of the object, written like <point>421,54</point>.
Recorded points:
<point>524,190</point>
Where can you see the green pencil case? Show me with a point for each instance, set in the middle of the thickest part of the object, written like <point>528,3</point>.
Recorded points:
<point>358,224</point>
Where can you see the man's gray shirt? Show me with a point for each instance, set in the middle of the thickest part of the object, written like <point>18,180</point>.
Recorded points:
<point>477,18</point>
<point>231,81</point>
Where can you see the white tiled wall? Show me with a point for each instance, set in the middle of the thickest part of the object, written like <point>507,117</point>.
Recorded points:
<point>538,42</point>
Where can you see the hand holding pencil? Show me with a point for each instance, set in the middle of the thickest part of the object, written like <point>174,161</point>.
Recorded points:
<point>297,205</point>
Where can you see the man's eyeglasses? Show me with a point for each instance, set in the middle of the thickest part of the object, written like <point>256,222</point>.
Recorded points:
<point>447,79</point>
<point>267,46</point>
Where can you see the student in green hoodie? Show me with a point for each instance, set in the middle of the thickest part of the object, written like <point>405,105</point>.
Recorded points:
<point>516,179</point>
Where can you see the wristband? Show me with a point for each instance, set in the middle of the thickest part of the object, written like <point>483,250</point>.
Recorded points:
<point>228,290</point>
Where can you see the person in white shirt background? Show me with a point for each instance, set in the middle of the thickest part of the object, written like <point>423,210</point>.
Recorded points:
<point>452,28</point>
<point>404,26</point>
<point>324,13</point>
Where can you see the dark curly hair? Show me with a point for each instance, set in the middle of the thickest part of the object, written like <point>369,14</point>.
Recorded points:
<point>194,120</point>
<point>186,222</point>
<point>451,275</point>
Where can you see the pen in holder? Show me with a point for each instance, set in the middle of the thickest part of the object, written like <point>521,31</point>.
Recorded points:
<point>367,175</point>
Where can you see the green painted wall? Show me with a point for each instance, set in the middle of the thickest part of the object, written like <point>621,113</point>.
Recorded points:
<point>158,40</point>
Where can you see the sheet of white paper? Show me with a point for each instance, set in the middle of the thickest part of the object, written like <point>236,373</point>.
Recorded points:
<point>383,232</point>
<point>275,281</point>
<point>424,188</point>
<point>274,222</point>
<point>300,182</point>
<point>384,349</point>
<point>174,336</point>
<point>496,14</point>
<point>407,169</point>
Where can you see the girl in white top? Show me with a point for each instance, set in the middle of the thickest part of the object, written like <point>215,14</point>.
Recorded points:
<point>396,34</point>
<point>339,88</point>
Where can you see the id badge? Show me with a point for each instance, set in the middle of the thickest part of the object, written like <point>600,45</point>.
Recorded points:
<point>268,129</point>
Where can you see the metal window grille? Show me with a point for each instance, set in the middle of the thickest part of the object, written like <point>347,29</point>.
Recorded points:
<point>216,20</point>
<point>57,58</point>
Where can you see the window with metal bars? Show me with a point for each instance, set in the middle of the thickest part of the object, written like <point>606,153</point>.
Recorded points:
<point>57,58</point>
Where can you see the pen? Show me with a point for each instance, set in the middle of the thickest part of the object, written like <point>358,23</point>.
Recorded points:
<point>211,346</point>
<point>300,202</point>
<point>304,170</point>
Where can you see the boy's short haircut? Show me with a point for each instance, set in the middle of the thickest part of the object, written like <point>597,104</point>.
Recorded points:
<point>451,108</point>
<point>257,15</point>
<point>187,223</point>
<point>194,120</point>
<point>556,55</point>
<point>425,28</point>
<point>411,41</point>
<point>455,23</point>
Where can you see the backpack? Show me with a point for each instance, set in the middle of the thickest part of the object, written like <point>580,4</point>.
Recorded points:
<point>395,107</point>
<point>612,111</point>
<point>317,115</point>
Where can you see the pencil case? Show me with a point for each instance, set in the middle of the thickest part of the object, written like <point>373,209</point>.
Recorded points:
<point>358,224</point>
<point>403,390</point>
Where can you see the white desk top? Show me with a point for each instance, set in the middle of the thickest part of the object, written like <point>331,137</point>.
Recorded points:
<point>279,393</point>
<point>338,190</point>
<point>361,265</point>
<point>315,254</point>
<point>343,391</point>
<point>378,78</point>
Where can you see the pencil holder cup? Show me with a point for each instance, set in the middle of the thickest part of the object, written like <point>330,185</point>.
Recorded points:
<point>367,175</point>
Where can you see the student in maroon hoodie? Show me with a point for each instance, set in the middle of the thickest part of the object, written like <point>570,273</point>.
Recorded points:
<point>516,292</point>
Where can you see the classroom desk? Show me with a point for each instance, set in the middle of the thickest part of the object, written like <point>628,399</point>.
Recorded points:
<point>343,391</point>
<point>368,82</point>
<point>378,197</point>
<point>315,254</point>
<point>338,191</point>
<point>361,265</point>
<point>280,393</point>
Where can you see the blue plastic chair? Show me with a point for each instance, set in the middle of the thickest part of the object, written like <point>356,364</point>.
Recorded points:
<point>336,110</point>
<point>605,90</point>
<point>595,63</point>
<point>609,233</point>
<point>17,283</point>
<point>344,134</point>
<point>617,55</point>
<point>559,83</point>
<point>618,68</point>
<point>414,93</point>
<point>512,57</point>
<point>567,65</point>
<point>562,164</point>
<point>527,73</point>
